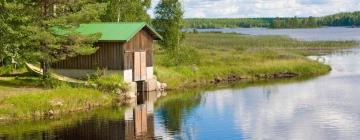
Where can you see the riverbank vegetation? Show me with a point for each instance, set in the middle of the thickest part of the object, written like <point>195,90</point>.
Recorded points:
<point>340,19</point>
<point>27,96</point>
<point>216,57</point>
<point>34,102</point>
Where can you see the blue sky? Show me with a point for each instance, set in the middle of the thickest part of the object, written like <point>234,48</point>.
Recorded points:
<point>264,8</point>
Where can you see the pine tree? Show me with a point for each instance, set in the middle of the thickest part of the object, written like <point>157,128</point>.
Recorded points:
<point>40,38</point>
<point>10,31</point>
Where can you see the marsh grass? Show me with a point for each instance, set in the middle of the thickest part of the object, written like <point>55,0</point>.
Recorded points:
<point>221,55</point>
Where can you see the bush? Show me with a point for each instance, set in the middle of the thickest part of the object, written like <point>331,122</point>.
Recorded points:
<point>6,70</point>
<point>52,83</point>
<point>109,83</point>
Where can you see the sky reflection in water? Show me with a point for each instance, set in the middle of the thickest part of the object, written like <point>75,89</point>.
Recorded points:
<point>323,108</point>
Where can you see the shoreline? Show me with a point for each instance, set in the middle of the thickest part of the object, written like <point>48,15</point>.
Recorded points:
<point>228,81</point>
<point>215,59</point>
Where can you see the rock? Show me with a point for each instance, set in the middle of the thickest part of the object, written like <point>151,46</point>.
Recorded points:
<point>194,68</point>
<point>217,80</point>
<point>50,113</point>
<point>56,103</point>
<point>151,85</point>
<point>158,86</point>
<point>163,86</point>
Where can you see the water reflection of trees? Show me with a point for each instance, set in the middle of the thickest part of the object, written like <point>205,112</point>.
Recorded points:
<point>171,109</point>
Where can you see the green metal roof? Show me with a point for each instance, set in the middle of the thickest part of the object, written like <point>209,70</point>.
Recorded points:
<point>116,31</point>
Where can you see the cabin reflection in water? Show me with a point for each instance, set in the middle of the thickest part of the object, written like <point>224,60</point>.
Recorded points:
<point>138,124</point>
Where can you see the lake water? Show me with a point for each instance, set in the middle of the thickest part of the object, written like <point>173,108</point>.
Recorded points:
<point>322,108</point>
<point>326,33</point>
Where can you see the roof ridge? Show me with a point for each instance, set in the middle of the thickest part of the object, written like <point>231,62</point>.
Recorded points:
<point>115,23</point>
<point>116,30</point>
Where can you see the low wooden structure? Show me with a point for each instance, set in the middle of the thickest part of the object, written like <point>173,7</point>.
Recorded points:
<point>124,48</point>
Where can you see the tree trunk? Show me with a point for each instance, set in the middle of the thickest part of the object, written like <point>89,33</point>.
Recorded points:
<point>45,67</point>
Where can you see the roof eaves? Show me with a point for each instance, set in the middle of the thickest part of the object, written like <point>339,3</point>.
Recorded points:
<point>141,27</point>
<point>154,31</point>
<point>137,30</point>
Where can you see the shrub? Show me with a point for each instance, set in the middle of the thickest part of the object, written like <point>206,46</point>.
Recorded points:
<point>109,83</point>
<point>6,70</point>
<point>52,83</point>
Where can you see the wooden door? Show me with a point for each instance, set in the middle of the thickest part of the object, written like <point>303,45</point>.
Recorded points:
<point>139,69</point>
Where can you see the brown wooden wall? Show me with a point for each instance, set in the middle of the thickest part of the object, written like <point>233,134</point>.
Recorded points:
<point>108,56</point>
<point>112,55</point>
<point>142,41</point>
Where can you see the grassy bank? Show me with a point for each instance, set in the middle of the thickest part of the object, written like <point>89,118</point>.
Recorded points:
<point>57,101</point>
<point>27,97</point>
<point>227,57</point>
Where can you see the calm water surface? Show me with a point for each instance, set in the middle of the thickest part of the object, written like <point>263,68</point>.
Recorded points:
<point>326,33</point>
<point>324,108</point>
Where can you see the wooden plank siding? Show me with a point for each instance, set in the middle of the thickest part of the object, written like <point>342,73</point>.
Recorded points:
<point>141,42</point>
<point>113,55</point>
<point>108,56</point>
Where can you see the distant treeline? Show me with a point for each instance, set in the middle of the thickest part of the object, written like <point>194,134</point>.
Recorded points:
<point>341,19</point>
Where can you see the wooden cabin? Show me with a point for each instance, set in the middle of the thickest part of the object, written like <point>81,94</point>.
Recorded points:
<point>124,48</point>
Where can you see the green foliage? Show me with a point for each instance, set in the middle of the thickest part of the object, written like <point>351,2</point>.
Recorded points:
<point>341,19</point>
<point>127,11</point>
<point>227,22</point>
<point>31,24</point>
<point>169,22</point>
<point>10,30</point>
<point>295,22</point>
<point>6,69</point>
<point>50,83</point>
<point>108,83</point>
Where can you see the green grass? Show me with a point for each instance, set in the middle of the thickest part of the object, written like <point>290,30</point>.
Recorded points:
<point>109,83</point>
<point>26,97</point>
<point>60,100</point>
<point>18,85</point>
<point>221,55</point>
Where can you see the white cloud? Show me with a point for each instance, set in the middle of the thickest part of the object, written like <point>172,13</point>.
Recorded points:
<point>265,8</point>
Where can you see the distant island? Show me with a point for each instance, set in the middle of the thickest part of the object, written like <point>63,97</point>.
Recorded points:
<point>350,19</point>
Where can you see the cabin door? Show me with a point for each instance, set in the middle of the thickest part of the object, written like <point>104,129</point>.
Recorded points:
<point>139,69</point>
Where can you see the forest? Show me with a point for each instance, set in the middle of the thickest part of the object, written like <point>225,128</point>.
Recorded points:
<point>340,19</point>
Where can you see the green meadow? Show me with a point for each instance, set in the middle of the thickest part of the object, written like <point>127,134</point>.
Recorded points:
<point>219,57</point>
